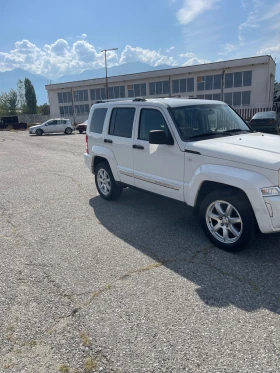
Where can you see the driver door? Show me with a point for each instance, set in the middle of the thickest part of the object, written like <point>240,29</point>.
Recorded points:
<point>50,126</point>
<point>158,168</point>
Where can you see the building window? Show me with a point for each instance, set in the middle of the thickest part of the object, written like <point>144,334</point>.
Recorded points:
<point>228,98</point>
<point>64,97</point>
<point>200,97</point>
<point>82,109</point>
<point>116,92</point>
<point>183,85</point>
<point>66,110</point>
<point>81,95</point>
<point>97,94</point>
<point>121,122</point>
<point>247,78</point>
<point>246,98</point>
<point>208,97</point>
<point>200,83</point>
<point>238,79</point>
<point>190,84</point>
<point>159,88</point>
<point>229,80</point>
<point>137,90</point>
<point>97,120</point>
<point>217,97</point>
<point>151,120</point>
<point>218,81</point>
<point>209,83</point>
<point>236,98</point>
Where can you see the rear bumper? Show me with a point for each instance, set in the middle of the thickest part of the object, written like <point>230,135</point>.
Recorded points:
<point>87,159</point>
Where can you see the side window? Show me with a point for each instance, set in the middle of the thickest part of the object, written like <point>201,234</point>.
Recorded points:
<point>150,120</point>
<point>54,122</point>
<point>121,122</point>
<point>97,120</point>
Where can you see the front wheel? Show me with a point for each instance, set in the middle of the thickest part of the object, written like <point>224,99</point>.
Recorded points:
<point>227,219</point>
<point>39,132</point>
<point>105,182</point>
<point>81,131</point>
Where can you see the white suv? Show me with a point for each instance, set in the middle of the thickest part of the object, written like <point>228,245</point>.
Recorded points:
<point>196,151</point>
<point>53,126</point>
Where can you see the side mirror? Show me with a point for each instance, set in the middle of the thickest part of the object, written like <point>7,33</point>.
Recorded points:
<point>159,137</point>
<point>46,124</point>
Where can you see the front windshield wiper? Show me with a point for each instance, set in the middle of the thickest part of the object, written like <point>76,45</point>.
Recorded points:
<point>207,134</point>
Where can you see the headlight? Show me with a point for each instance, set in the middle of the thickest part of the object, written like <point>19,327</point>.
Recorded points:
<point>271,191</point>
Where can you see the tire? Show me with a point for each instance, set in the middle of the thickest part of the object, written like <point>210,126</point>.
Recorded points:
<point>81,131</point>
<point>68,131</point>
<point>220,228</point>
<point>105,182</point>
<point>39,132</point>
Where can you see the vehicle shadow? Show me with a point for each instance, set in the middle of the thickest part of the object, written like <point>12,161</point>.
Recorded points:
<point>166,231</point>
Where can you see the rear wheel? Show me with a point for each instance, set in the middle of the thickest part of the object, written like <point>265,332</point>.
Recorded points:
<point>39,132</point>
<point>227,219</point>
<point>68,131</point>
<point>105,182</point>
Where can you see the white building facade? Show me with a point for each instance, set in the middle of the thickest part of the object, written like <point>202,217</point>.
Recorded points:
<point>242,83</point>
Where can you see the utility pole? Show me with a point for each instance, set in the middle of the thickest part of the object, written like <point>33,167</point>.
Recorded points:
<point>222,85</point>
<point>106,50</point>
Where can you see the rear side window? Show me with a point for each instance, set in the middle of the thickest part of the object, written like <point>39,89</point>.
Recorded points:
<point>151,120</point>
<point>121,122</point>
<point>97,120</point>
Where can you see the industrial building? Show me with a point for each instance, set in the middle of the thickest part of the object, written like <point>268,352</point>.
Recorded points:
<point>242,83</point>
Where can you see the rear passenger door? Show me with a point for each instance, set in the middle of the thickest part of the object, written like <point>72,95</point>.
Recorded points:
<point>119,139</point>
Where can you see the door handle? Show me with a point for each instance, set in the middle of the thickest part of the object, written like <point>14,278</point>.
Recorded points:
<point>109,141</point>
<point>138,147</point>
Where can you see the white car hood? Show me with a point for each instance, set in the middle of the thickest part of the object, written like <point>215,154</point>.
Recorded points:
<point>256,149</point>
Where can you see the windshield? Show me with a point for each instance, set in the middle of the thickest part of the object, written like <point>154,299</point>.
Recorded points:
<point>195,121</point>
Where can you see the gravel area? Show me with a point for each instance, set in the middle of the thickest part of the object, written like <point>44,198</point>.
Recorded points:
<point>88,285</point>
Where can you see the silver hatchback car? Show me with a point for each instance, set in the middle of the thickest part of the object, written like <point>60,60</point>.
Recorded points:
<point>53,126</point>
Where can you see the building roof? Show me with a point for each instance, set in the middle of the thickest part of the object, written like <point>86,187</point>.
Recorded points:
<point>249,61</point>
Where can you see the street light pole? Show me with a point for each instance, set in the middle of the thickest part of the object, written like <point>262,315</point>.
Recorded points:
<point>106,50</point>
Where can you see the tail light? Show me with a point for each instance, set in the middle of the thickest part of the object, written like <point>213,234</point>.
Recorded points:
<point>87,144</point>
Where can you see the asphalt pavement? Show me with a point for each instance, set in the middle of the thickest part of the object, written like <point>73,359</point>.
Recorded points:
<point>133,285</point>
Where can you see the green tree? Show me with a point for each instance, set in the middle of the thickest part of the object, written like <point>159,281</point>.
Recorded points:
<point>43,109</point>
<point>30,97</point>
<point>8,103</point>
<point>21,95</point>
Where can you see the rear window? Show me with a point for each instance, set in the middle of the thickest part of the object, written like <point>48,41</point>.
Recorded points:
<point>97,120</point>
<point>121,122</point>
<point>265,114</point>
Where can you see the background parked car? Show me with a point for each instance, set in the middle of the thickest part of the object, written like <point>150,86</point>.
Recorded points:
<point>82,127</point>
<point>266,122</point>
<point>53,126</point>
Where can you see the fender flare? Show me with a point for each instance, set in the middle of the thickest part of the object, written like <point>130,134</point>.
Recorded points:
<point>249,182</point>
<point>101,151</point>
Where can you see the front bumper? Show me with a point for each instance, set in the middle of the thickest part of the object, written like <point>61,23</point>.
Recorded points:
<point>273,206</point>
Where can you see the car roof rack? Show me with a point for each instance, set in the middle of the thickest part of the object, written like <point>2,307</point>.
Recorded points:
<point>139,99</point>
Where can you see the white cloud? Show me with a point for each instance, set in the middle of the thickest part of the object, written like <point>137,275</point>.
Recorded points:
<point>152,57</point>
<point>193,8</point>
<point>228,48</point>
<point>195,61</point>
<point>62,57</point>
<point>270,50</point>
<point>82,36</point>
<point>187,55</point>
<point>168,50</point>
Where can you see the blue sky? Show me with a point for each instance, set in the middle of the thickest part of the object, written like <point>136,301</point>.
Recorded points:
<point>55,37</point>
